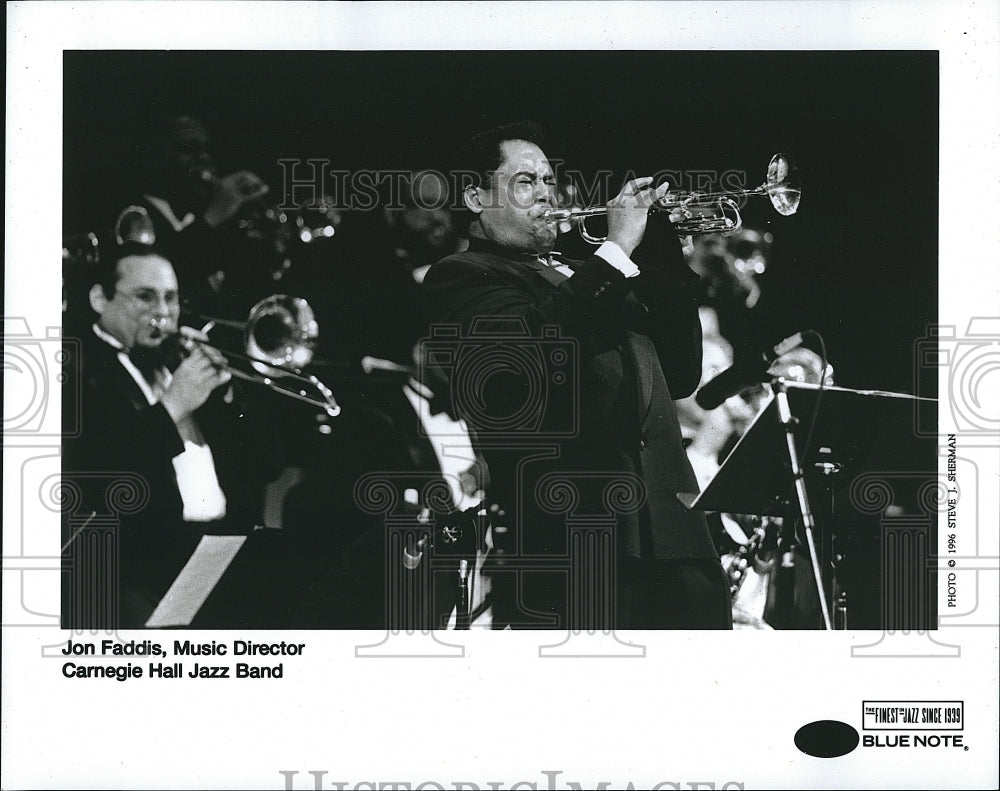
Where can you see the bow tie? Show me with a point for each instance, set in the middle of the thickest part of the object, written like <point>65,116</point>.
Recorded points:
<point>437,404</point>
<point>149,362</point>
<point>549,259</point>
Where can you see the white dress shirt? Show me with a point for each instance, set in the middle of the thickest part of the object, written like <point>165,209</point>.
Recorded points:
<point>450,440</point>
<point>615,256</point>
<point>178,224</point>
<point>197,481</point>
<point>610,252</point>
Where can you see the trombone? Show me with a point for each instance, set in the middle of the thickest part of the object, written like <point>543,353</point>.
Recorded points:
<point>280,336</point>
<point>707,212</point>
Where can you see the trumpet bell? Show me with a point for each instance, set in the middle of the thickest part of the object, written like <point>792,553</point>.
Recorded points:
<point>134,225</point>
<point>282,331</point>
<point>782,185</point>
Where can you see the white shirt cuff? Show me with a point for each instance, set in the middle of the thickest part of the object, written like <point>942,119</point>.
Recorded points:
<point>615,256</point>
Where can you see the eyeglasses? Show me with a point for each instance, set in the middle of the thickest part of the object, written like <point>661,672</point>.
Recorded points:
<point>147,299</point>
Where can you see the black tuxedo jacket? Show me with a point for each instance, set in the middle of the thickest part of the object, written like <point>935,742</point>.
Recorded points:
<point>638,342</point>
<point>121,436</point>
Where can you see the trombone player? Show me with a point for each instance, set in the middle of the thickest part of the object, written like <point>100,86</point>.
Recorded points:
<point>179,427</point>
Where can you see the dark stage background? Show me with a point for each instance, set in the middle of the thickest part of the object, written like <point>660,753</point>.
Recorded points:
<point>858,262</point>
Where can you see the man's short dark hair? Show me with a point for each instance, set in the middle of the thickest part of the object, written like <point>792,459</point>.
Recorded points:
<point>107,267</point>
<point>479,158</point>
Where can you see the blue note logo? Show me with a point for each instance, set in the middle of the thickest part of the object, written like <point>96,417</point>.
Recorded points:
<point>826,739</point>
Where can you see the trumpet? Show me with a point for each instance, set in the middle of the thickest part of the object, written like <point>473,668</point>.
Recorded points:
<point>707,212</point>
<point>280,336</point>
<point>264,217</point>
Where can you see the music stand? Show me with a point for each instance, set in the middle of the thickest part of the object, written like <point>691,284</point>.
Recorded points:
<point>765,470</point>
<point>254,582</point>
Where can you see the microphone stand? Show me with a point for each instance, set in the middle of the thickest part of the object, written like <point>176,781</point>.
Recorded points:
<point>456,539</point>
<point>808,521</point>
<point>462,606</point>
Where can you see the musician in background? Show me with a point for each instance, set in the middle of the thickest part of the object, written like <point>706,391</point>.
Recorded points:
<point>187,211</point>
<point>766,566</point>
<point>420,229</point>
<point>173,420</point>
<point>709,435</point>
<point>370,293</point>
<point>733,269</point>
<point>630,312</point>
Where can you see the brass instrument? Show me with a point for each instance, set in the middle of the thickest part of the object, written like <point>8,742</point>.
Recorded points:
<point>267,218</point>
<point>280,336</point>
<point>708,212</point>
<point>134,225</point>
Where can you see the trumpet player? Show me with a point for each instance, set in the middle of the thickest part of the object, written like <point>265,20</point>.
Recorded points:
<point>187,210</point>
<point>174,433</point>
<point>621,330</point>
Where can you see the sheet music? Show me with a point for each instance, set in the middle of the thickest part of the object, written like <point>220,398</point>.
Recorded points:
<point>196,581</point>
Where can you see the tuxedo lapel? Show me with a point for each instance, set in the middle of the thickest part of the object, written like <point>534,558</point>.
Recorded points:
<point>112,370</point>
<point>551,275</point>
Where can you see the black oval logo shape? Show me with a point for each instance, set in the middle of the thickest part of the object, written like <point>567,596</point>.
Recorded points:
<point>826,739</point>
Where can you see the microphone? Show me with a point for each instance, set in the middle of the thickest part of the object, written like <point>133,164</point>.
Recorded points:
<point>741,375</point>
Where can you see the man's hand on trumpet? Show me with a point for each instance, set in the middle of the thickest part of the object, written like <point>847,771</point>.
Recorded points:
<point>229,195</point>
<point>628,212</point>
<point>203,370</point>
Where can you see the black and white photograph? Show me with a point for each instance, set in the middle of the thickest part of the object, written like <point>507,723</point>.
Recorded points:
<point>454,374</point>
<point>410,367</point>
